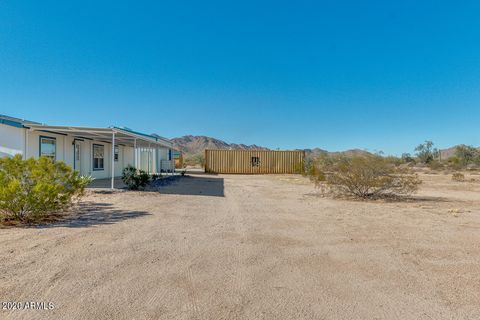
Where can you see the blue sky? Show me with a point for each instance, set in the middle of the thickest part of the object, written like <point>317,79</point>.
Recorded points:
<point>376,75</point>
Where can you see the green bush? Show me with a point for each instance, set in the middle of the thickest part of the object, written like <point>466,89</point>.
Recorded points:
<point>135,179</point>
<point>367,176</point>
<point>31,189</point>
<point>426,153</point>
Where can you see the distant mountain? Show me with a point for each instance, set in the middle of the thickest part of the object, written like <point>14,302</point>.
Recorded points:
<point>450,152</point>
<point>191,145</point>
<point>313,153</point>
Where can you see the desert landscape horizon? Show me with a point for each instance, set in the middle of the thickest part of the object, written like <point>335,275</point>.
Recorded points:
<point>239,160</point>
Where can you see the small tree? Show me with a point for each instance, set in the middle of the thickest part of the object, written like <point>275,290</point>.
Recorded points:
<point>31,189</point>
<point>369,176</point>
<point>466,155</point>
<point>407,158</point>
<point>426,153</point>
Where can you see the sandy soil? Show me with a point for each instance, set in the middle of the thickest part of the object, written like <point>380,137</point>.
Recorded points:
<point>251,247</point>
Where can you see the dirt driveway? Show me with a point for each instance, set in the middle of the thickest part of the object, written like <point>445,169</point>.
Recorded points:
<point>251,247</point>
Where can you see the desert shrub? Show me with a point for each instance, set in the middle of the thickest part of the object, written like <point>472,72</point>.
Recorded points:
<point>369,176</point>
<point>426,153</point>
<point>32,189</point>
<point>454,163</point>
<point>309,165</point>
<point>300,168</point>
<point>458,176</point>
<point>196,160</point>
<point>135,179</point>
<point>396,161</point>
<point>407,158</point>
<point>466,155</point>
<point>435,165</point>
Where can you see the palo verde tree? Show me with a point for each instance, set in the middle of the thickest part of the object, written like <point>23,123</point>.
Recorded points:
<point>426,153</point>
<point>466,155</point>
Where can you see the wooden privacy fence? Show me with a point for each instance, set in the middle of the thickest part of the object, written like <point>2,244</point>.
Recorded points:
<point>253,161</point>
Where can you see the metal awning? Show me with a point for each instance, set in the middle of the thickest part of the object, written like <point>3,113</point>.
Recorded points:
<point>122,136</point>
<point>114,136</point>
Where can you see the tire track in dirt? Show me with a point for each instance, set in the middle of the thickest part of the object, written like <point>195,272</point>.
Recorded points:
<point>236,216</point>
<point>187,277</point>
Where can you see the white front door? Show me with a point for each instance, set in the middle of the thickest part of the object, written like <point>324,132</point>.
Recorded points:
<point>77,157</point>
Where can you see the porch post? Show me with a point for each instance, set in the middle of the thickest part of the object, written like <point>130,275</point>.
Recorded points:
<point>149,158</point>
<point>135,152</point>
<point>113,160</point>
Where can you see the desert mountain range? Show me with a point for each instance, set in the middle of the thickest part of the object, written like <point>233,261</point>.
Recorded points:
<point>191,145</point>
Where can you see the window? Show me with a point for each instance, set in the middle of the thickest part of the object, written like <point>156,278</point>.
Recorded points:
<point>48,147</point>
<point>98,157</point>
<point>115,157</point>
<point>255,161</point>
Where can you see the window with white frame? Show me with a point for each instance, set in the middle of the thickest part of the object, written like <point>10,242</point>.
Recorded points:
<point>98,157</point>
<point>115,157</point>
<point>48,147</point>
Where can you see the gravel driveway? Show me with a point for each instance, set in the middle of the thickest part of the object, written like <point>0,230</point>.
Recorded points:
<point>250,247</point>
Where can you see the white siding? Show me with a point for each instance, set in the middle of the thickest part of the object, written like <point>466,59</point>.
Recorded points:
<point>12,141</point>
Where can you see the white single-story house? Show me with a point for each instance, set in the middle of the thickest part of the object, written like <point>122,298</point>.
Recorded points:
<point>97,152</point>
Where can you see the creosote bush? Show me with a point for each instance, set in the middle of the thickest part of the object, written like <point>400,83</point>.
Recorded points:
<point>135,179</point>
<point>32,189</point>
<point>363,177</point>
<point>458,176</point>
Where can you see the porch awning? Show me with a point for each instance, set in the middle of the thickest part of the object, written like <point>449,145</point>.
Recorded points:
<point>123,136</point>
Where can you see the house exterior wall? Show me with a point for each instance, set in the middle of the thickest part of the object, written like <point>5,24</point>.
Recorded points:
<point>18,140</point>
<point>62,146</point>
<point>125,158</point>
<point>12,141</point>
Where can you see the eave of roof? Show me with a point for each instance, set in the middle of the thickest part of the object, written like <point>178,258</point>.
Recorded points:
<point>14,122</point>
<point>101,134</point>
<point>77,131</point>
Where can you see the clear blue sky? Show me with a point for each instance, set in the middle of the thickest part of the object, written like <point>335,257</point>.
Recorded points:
<point>376,75</point>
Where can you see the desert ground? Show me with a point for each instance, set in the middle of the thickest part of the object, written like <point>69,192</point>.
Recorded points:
<point>251,247</point>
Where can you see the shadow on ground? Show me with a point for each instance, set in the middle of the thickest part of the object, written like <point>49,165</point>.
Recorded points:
<point>107,183</point>
<point>89,214</point>
<point>380,199</point>
<point>194,186</point>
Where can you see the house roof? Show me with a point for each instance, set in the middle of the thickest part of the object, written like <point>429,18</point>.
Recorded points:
<point>123,136</point>
<point>14,122</point>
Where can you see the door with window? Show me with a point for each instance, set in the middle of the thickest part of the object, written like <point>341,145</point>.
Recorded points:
<point>77,156</point>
